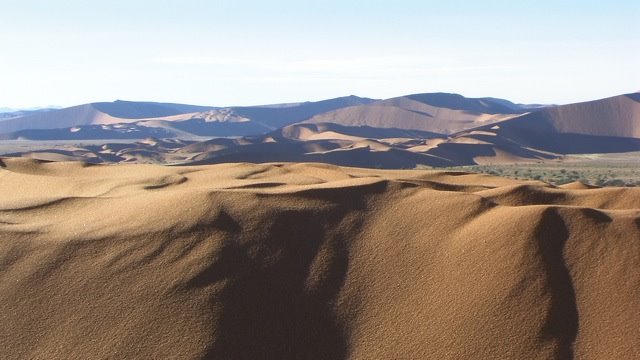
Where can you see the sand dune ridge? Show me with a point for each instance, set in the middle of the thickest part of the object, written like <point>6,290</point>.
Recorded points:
<point>312,261</point>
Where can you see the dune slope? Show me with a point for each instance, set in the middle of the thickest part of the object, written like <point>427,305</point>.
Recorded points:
<point>310,261</point>
<point>617,116</point>
<point>440,113</point>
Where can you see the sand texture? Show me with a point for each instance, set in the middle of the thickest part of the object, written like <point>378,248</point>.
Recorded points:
<point>310,261</point>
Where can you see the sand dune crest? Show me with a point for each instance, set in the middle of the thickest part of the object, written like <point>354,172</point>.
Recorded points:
<point>312,261</point>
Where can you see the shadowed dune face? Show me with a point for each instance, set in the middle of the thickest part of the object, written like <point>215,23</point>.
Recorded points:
<point>612,117</point>
<point>312,261</point>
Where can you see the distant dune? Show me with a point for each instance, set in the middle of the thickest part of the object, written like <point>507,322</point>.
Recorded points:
<point>7,113</point>
<point>63,118</point>
<point>311,261</point>
<point>436,129</point>
<point>95,114</point>
<point>174,120</point>
<point>308,131</point>
<point>439,112</point>
<point>617,116</point>
<point>600,126</point>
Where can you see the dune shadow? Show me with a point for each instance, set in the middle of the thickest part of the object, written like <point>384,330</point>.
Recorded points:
<point>278,302</point>
<point>562,318</point>
<point>596,215</point>
<point>634,96</point>
<point>568,143</point>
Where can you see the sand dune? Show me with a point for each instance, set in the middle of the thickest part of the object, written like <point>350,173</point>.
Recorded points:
<point>617,116</point>
<point>103,113</point>
<point>63,118</point>
<point>438,112</point>
<point>610,125</point>
<point>323,131</point>
<point>404,132</point>
<point>310,261</point>
<point>169,119</point>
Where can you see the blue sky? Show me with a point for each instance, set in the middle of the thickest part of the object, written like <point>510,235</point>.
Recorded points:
<point>258,52</point>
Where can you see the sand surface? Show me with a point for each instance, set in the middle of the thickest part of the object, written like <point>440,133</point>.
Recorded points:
<point>310,261</point>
